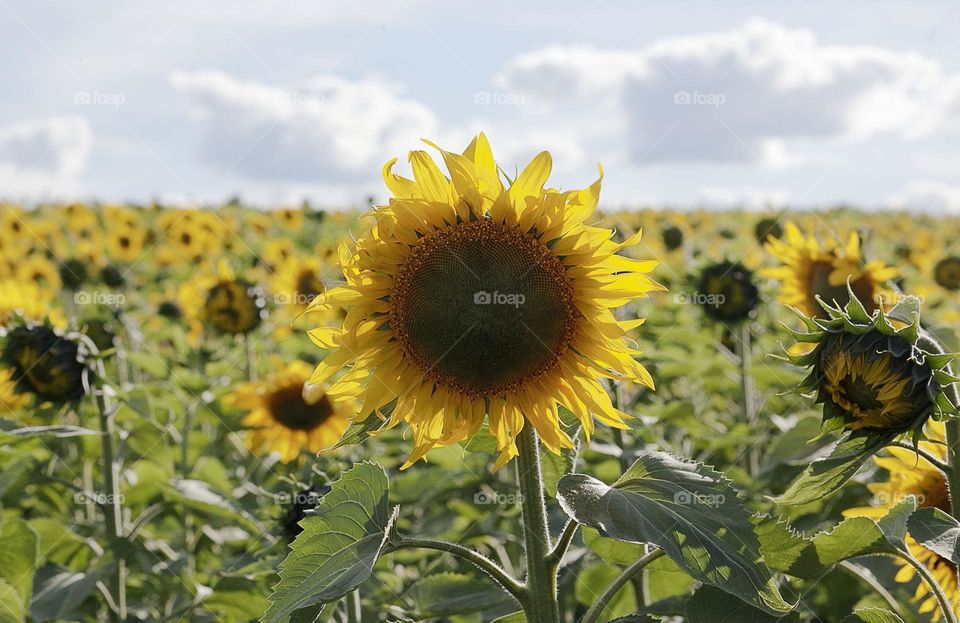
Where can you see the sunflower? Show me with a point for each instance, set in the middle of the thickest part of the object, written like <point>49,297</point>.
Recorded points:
<point>287,415</point>
<point>11,399</point>
<point>46,363</point>
<point>27,300</point>
<point>873,376</point>
<point>912,475</point>
<point>726,292</point>
<point>126,244</point>
<point>40,271</point>
<point>297,282</point>
<point>225,302</point>
<point>810,270</point>
<point>947,273</point>
<point>468,299</point>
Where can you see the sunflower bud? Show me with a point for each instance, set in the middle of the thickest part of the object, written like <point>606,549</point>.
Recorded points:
<point>727,292</point>
<point>46,363</point>
<point>876,373</point>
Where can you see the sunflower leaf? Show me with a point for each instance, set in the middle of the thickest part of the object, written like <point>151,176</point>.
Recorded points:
<point>872,615</point>
<point>340,543</point>
<point>937,531</point>
<point>827,474</point>
<point>711,605</point>
<point>689,510</point>
<point>448,594</point>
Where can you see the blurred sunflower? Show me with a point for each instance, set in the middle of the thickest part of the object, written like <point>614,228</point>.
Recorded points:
<point>287,415</point>
<point>10,398</point>
<point>911,475</point>
<point>467,299</point>
<point>45,363</point>
<point>947,273</point>
<point>810,270</point>
<point>125,244</point>
<point>224,302</point>
<point>39,270</point>
<point>29,301</point>
<point>727,292</point>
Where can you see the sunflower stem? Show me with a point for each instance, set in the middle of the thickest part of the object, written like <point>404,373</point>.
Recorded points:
<point>112,511</point>
<point>596,610</point>
<point>748,405</point>
<point>540,605</point>
<point>953,461</point>
<point>948,612</point>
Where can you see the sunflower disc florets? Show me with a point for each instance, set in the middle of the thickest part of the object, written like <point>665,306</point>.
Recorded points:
<point>46,363</point>
<point>876,373</point>
<point>727,292</point>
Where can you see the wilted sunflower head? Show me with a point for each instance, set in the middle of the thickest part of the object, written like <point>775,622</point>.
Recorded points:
<point>727,292</point>
<point>874,376</point>
<point>813,274</point>
<point>468,298</point>
<point>288,415</point>
<point>46,363</point>
<point>947,273</point>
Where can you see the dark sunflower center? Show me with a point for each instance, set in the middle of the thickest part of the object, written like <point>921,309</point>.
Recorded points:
<point>232,307</point>
<point>820,286</point>
<point>861,393</point>
<point>308,284</point>
<point>288,408</point>
<point>483,307</point>
<point>947,273</point>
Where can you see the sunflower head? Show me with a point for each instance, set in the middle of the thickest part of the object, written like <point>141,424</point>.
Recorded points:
<point>672,237</point>
<point>876,372</point>
<point>727,292</point>
<point>947,273</point>
<point>286,414</point>
<point>297,507</point>
<point>112,277</point>
<point>470,299</point>
<point>46,363</point>
<point>814,275</point>
<point>73,273</point>
<point>233,306</point>
<point>767,227</point>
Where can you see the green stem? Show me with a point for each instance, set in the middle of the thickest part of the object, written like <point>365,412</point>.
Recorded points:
<point>476,558</point>
<point>112,510</point>
<point>354,613</point>
<point>748,395</point>
<point>948,612</point>
<point>596,610</point>
<point>540,605</point>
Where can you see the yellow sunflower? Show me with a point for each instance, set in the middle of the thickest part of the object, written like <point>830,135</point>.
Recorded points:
<point>810,269</point>
<point>126,244</point>
<point>10,399</point>
<point>223,301</point>
<point>29,301</point>
<point>287,415</point>
<point>910,474</point>
<point>40,271</point>
<point>467,299</point>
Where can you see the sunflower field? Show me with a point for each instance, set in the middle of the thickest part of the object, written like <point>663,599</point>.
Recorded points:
<point>482,399</point>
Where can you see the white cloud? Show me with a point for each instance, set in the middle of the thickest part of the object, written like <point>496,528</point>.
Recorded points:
<point>43,158</point>
<point>928,196</point>
<point>747,198</point>
<point>328,129</point>
<point>733,96</point>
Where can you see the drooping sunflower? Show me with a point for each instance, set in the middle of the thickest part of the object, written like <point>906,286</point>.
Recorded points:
<point>726,292</point>
<point>287,415</point>
<point>47,363</point>
<point>810,269</point>
<point>468,299</point>
<point>225,302</point>
<point>912,475</point>
<point>876,373</point>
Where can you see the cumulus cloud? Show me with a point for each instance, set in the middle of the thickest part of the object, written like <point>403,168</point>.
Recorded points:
<point>327,129</point>
<point>732,96</point>
<point>42,158</point>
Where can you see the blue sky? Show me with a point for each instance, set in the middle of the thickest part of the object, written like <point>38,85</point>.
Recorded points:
<point>685,103</point>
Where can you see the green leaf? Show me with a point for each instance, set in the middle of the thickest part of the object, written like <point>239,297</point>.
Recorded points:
<point>12,607</point>
<point>872,615</point>
<point>26,432</point>
<point>937,531</point>
<point>513,617</point>
<point>711,605</point>
<point>449,594</point>
<point>198,495</point>
<point>553,467</point>
<point>689,510</point>
<point>824,476</point>
<point>593,580</point>
<point>611,550</point>
<point>18,557</point>
<point>60,595</point>
<point>340,543</point>
<point>358,431</point>
<point>152,364</point>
